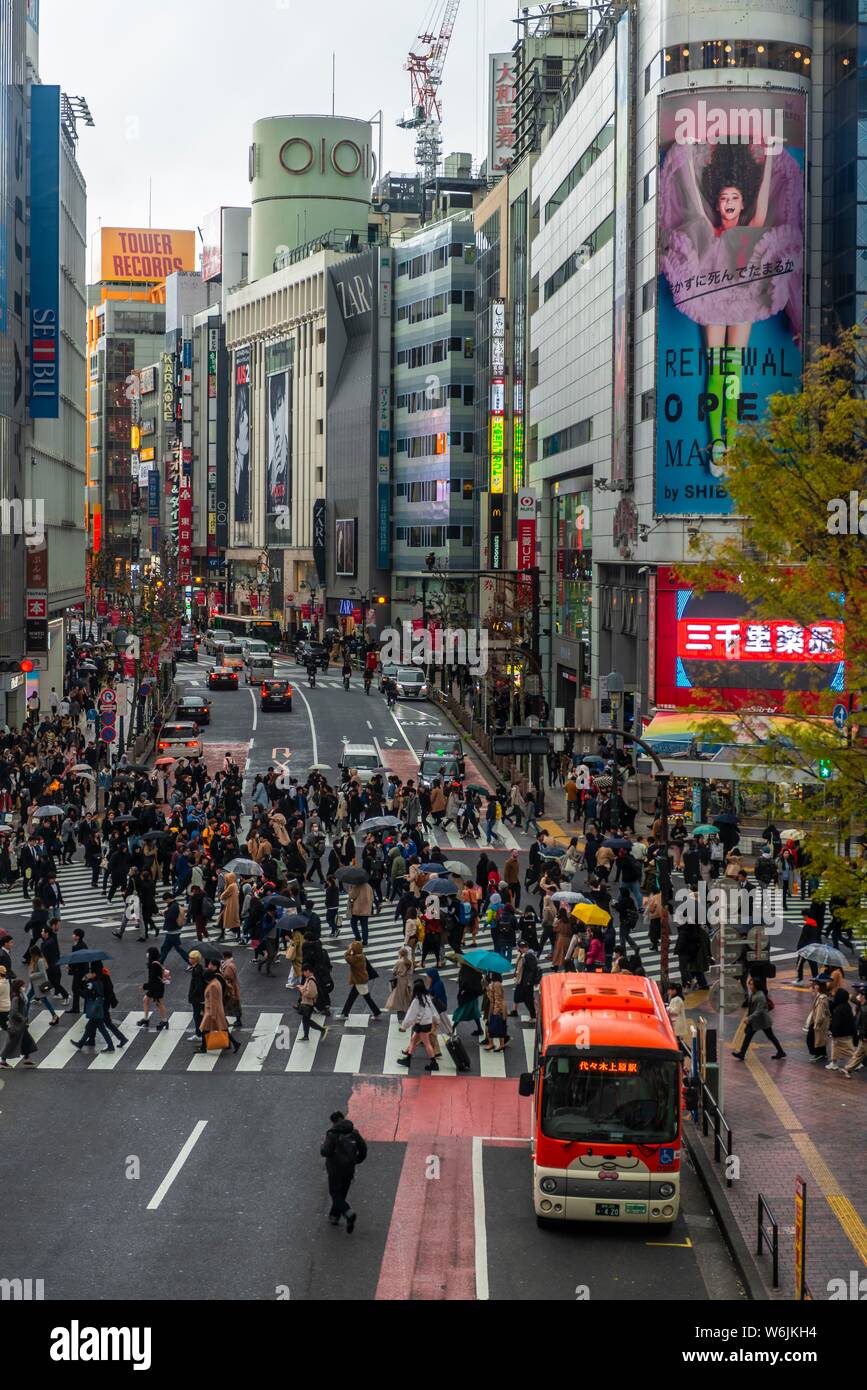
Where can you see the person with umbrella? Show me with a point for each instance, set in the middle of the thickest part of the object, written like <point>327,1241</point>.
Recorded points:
<point>856,1062</point>
<point>77,971</point>
<point>94,1011</point>
<point>810,936</point>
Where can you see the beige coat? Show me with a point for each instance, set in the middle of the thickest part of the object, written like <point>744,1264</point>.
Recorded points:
<point>401,994</point>
<point>229,972</point>
<point>214,1016</point>
<point>360,897</point>
<point>820,1017</point>
<point>354,958</point>
<point>231,905</point>
<point>437,801</point>
<point>278,825</point>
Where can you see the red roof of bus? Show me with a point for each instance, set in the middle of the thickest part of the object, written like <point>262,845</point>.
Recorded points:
<point>621,1011</point>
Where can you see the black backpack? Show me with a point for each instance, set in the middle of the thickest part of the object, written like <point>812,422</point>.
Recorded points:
<point>347,1152</point>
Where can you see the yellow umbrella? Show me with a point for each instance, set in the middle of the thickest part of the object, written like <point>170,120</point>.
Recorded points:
<point>591,915</point>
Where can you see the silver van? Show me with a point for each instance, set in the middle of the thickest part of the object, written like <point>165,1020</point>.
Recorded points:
<point>362,760</point>
<point>259,667</point>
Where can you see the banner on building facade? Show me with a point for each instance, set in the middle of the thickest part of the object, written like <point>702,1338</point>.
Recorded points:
<point>320,555</point>
<point>242,434</point>
<point>344,547</point>
<point>279,475</point>
<point>731,280</point>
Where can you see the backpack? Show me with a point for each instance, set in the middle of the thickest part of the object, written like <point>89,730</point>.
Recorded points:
<point>466,913</point>
<point>346,1152</point>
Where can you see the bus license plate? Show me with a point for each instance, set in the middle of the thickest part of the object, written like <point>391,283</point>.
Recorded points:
<point>607,1208</point>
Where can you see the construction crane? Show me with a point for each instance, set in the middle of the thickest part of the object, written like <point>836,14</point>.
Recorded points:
<point>425,63</point>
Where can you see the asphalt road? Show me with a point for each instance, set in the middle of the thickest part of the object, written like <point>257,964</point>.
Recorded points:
<point>155,1174</point>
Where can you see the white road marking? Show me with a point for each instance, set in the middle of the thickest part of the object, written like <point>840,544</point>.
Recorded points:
<point>165,1043</point>
<point>394,1045</point>
<point>302,1054</point>
<point>40,1025</point>
<point>529,1046</point>
<point>349,1053</point>
<point>257,1049</point>
<point>399,727</point>
<point>369,725</point>
<point>107,1061</point>
<point>481,1234</point>
<point>491,1063</point>
<point>255,711</point>
<point>178,1164</point>
<point>315,759</point>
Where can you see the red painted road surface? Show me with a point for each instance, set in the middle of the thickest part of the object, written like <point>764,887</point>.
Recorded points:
<point>430,1252</point>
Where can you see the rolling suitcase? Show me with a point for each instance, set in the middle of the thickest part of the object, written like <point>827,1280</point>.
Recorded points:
<point>458,1053</point>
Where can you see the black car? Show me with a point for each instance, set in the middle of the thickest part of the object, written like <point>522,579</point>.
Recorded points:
<point>187,649</point>
<point>222,678</point>
<point>195,707</point>
<point>276,695</point>
<point>312,651</point>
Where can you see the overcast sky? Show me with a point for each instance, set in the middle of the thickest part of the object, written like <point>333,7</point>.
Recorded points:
<point>175,86</point>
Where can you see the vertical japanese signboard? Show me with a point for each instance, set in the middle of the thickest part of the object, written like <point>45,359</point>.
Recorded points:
<point>36,601</point>
<point>242,434</point>
<point>621,450</point>
<point>185,529</point>
<point>45,253</point>
<point>501,112</point>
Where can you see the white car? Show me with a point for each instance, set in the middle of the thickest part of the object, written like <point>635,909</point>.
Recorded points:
<point>179,740</point>
<point>363,761</point>
<point>217,637</point>
<point>411,683</point>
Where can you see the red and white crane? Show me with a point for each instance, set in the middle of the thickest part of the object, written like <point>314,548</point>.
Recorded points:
<point>425,63</point>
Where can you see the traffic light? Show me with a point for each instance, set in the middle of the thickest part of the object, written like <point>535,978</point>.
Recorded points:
<point>381,598</point>
<point>14,666</point>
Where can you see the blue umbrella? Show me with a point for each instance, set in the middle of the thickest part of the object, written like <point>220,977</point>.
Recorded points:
<point>487,960</point>
<point>433,868</point>
<point>80,957</point>
<point>553,851</point>
<point>440,887</point>
<point>616,842</point>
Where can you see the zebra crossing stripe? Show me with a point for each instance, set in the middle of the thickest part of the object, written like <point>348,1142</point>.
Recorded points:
<point>165,1043</point>
<point>253,1056</point>
<point>107,1061</point>
<point>349,1053</point>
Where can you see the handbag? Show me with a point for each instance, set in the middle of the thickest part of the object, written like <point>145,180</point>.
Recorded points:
<point>372,974</point>
<point>216,1041</point>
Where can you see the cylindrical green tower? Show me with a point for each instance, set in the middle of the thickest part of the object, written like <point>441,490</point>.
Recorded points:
<point>310,175</point>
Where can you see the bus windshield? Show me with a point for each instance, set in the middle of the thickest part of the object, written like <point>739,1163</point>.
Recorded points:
<point>610,1099</point>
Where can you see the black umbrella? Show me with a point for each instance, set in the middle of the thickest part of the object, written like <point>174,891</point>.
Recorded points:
<point>162,836</point>
<point>293,921</point>
<point>80,957</point>
<point>279,900</point>
<point>725,818</point>
<point>124,820</point>
<point>206,951</point>
<point>133,767</point>
<point>353,876</point>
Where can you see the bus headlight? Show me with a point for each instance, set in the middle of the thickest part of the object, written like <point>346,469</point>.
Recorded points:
<point>666,1189</point>
<point>546,1206</point>
<point>668,1211</point>
<point>548,1184</point>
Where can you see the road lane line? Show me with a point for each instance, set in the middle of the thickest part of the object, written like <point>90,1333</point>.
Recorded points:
<point>176,1167</point>
<point>40,1025</point>
<point>299,691</point>
<point>399,727</point>
<point>482,1289</point>
<point>64,1051</point>
<point>255,711</point>
<point>492,1063</point>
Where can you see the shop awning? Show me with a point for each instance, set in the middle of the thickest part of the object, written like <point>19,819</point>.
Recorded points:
<point>672,733</point>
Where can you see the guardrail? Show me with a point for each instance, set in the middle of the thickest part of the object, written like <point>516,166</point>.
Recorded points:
<point>710,1111</point>
<point>768,1236</point>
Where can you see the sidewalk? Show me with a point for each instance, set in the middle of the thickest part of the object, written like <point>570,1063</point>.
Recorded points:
<point>792,1119</point>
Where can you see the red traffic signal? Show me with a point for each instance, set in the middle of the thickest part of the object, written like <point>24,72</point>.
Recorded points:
<point>27,664</point>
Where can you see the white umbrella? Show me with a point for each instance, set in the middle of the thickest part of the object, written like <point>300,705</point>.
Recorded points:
<point>45,812</point>
<point>459,870</point>
<point>792,834</point>
<point>83,770</point>
<point>567,897</point>
<point>247,868</point>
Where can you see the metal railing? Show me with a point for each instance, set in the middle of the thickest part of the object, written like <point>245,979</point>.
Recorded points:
<point>768,1236</point>
<point>710,1112</point>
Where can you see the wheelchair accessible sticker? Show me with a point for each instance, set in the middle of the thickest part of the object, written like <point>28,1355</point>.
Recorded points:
<point>666,1158</point>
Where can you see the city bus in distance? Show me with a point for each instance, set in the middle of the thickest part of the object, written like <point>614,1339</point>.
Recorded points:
<point>606,1088</point>
<point>260,629</point>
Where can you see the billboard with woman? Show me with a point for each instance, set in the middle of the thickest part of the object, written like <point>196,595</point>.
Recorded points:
<point>242,435</point>
<point>731,280</point>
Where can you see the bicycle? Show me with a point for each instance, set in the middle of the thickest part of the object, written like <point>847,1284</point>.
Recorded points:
<point>346,681</point>
<point>368,680</point>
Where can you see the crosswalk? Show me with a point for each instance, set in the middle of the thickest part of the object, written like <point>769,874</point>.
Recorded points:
<point>362,1046</point>
<point>87,908</point>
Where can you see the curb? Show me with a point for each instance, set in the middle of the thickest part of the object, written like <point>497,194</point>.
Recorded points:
<point>744,1261</point>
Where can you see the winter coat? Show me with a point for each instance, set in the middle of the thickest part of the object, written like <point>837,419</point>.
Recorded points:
<point>401,993</point>
<point>679,1021</point>
<point>758,1015</point>
<point>820,1017</point>
<point>842,1018</point>
<point>354,958</point>
<point>360,897</point>
<point>231,904</point>
<point>214,1016</point>
<point>229,972</point>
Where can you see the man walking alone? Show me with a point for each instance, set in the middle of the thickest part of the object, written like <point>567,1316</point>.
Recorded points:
<point>342,1150</point>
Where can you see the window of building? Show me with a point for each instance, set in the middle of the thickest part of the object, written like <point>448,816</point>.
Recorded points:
<point>470,300</point>
<point>467,489</point>
<point>320,426</point>
<point>648,75</point>
<point>579,259</point>
<point>572,437</point>
<point>648,295</point>
<point>469,395</point>
<point>717,54</point>
<point>648,405</point>
<point>466,535</point>
<point>320,335</point>
<point>649,185</point>
<point>580,168</point>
